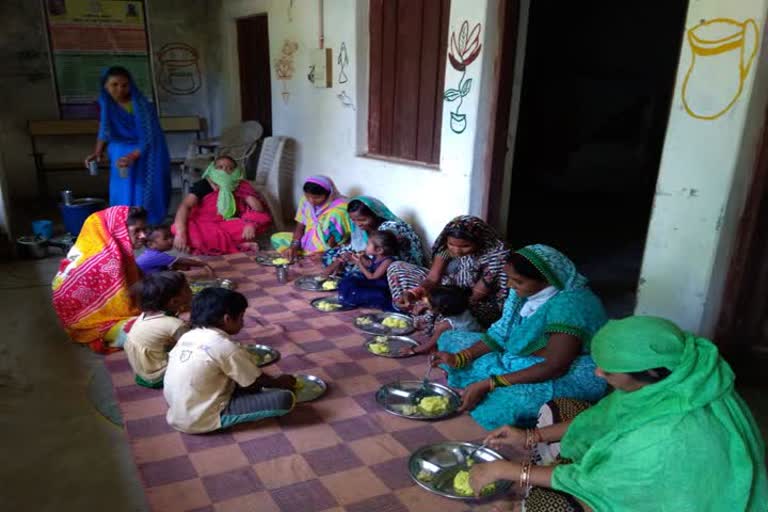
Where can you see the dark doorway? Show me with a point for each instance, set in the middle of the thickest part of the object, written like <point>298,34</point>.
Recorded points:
<point>255,71</point>
<point>597,83</point>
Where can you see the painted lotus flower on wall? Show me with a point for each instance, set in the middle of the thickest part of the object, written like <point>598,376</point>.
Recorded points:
<point>464,49</point>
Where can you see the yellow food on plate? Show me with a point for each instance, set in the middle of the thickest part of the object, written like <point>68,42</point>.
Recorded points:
<point>394,322</point>
<point>196,288</point>
<point>462,488</point>
<point>324,305</point>
<point>379,348</point>
<point>380,339</point>
<point>330,285</point>
<point>280,261</point>
<point>434,405</point>
<point>364,320</point>
<point>425,476</point>
<point>299,384</point>
<point>408,410</point>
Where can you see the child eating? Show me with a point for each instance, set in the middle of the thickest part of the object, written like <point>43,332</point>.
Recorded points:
<point>212,382</point>
<point>450,305</point>
<point>155,257</point>
<point>162,296</point>
<point>367,286</point>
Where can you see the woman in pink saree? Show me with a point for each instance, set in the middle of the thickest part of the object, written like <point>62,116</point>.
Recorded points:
<point>223,213</point>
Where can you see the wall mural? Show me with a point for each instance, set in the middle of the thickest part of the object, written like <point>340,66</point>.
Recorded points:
<point>721,58</point>
<point>179,69</point>
<point>284,68</point>
<point>463,52</point>
<point>343,61</point>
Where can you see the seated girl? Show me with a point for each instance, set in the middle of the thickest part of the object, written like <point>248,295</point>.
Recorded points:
<point>369,215</point>
<point>155,257</point>
<point>222,214</point>
<point>451,305</point>
<point>322,221</point>
<point>537,351</point>
<point>162,296</point>
<point>674,435</point>
<point>211,381</point>
<point>367,287</point>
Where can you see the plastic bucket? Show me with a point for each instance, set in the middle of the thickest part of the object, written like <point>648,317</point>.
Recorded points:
<point>74,214</point>
<point>32,247</point>
<point>42,228</point>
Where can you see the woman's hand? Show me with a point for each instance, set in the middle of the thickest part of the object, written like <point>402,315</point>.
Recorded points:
<point>180,242</point>
<point>209,270</point>
<point>291,252</point>
<point>506,435</point>
<point>424,348</point>
<point>484,474</point>
<point>249,232</point>
<point>124,161</point>
<point>444,358</point>
<point>98,157</point>
<point>473,395</point>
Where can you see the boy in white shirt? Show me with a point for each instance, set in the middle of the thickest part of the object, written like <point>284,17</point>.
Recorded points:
<point>211,381</point>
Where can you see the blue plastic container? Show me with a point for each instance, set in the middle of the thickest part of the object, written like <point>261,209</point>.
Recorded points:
<point>42,228</point>
<point>75,213</point>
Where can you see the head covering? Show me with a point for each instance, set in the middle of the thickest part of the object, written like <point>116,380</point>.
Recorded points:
<point>359,236</point>
<point>227,183</point>
<point>485,236</point>
<point>555,266</point>
<point>333,196</point>
<point>634,440</point>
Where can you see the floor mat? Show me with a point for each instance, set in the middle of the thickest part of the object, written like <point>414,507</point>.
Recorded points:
<point>340,453</point>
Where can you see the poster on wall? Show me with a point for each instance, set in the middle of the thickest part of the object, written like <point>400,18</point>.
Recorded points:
<point>87,36</point>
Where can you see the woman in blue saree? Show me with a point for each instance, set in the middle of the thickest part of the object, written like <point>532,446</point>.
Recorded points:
<point>537,351</point>
<point>130,132</point>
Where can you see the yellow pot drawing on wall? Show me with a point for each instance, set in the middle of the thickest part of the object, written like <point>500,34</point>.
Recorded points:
<point>722,51</point>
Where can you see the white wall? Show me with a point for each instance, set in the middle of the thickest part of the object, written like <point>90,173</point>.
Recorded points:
<point>703,178</point>
<point>331,137</point>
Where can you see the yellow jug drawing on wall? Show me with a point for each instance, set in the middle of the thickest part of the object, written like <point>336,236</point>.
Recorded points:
<point>722,51</point>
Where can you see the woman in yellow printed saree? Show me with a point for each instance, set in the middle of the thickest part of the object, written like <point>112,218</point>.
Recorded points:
<point>91,289</point>
<point>322,221</point>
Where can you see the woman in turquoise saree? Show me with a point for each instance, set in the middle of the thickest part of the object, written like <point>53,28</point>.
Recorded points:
<point>130,132</point>
<point>537,351</point>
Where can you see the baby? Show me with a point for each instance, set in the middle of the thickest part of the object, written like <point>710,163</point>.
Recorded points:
<point>450,305</point>
<point>155,257</point>
<point>162,296</point>
<point>368,286</point>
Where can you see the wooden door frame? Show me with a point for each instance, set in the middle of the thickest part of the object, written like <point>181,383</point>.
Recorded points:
<point>747,272</point>
<point>504,65</point>
<point>268,130</point>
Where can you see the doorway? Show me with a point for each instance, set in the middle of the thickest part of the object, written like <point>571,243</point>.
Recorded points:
<point>589,127</point>
<point>255,71</point>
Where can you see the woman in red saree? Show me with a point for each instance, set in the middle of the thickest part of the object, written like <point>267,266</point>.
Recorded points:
<point>222,214</point>
<point>91,289</point>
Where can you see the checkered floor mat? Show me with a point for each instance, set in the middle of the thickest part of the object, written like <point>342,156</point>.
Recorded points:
<point>340,453</point>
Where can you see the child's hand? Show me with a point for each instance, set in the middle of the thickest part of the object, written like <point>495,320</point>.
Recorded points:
<point>249,232</point>
<point>285,382</point>
<point>419,308</point>
<point>346,256</point>
<point>425,348</point>
<point>209,270</point>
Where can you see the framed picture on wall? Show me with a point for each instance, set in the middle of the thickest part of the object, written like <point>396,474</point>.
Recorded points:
<point>87,36</point>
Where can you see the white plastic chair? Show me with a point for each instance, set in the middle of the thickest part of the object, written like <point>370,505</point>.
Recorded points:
<point>238,142</point>
<point>274,177</point>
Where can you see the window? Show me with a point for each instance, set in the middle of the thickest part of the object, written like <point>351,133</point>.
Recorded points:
<point>408,40</point>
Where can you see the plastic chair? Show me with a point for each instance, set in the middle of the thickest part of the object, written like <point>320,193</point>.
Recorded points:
<point>238,142</point>
<point>274,177</point>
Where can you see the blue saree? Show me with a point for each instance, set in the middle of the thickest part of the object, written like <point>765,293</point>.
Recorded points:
<point>573,310</point>
<point>148,183</point>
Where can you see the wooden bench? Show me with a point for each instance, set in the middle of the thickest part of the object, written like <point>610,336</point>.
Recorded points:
<point>39,130</point>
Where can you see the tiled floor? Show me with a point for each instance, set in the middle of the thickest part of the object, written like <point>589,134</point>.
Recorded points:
<point>342,452</point>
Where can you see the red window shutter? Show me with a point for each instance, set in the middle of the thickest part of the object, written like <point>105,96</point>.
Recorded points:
<point>408,40</point>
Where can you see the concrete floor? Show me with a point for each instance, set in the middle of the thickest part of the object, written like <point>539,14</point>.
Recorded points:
<point>59,453</point>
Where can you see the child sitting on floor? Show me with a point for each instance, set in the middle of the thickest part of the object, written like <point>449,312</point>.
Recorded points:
<point>367,286</point>
<point>450,305</point>
<point>212,382</point>
<point>162,296</point>
<point>155,257</point>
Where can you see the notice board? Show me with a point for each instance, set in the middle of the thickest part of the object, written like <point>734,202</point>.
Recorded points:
<point>88,36</point>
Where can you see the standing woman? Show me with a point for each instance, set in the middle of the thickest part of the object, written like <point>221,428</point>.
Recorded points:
<point>130,132</point>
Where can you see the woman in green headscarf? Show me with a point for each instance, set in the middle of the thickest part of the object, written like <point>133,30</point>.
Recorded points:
<point>673,436</point>
<point>223,213</point>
